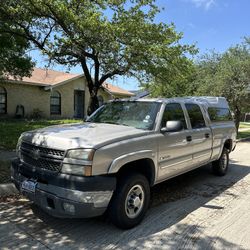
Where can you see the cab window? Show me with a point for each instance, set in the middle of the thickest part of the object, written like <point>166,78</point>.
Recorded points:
<point>173,112</point>
<point>195,116</point>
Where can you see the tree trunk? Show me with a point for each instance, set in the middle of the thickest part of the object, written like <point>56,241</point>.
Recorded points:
<point>237,115</point>
<point>93,103</point>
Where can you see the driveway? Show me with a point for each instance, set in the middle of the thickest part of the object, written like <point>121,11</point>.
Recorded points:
<point>194,211</point>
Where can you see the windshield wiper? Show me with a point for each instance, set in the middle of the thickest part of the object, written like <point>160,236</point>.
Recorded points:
<point>117,123</point>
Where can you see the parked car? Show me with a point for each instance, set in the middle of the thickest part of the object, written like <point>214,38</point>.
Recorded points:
<point>110,161</point>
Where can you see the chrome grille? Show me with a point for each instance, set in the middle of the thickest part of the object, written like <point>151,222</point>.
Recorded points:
<point>40,157</point>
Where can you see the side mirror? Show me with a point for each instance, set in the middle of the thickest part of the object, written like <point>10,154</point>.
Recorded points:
<point>172,126</point>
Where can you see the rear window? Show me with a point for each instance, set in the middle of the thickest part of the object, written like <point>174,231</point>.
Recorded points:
<point>195,116</point>
<point>219,114</point>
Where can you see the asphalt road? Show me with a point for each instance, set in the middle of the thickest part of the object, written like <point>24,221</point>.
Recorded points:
<point>194,211</point>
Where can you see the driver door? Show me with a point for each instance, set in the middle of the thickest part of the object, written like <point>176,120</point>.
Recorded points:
<point>175,151</point>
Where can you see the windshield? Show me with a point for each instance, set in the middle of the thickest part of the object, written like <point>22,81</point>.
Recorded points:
<point>139,115</point>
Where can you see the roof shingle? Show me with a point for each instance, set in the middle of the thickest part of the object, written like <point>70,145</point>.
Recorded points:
<point>49,77</point>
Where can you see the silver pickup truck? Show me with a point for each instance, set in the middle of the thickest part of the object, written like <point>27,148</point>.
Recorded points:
<point>110,161</point>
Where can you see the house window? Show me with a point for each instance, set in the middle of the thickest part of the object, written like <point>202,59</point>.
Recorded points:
<point>55,103</point>
<point>3,101</point>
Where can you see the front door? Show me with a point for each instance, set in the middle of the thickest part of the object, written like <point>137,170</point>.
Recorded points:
<point>175,151</point>
<point>79,103</point>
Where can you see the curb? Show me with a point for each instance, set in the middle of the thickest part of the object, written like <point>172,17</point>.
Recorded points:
<point>8,189</point>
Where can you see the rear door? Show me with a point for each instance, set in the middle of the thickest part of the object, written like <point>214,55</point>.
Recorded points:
<point>201,135</point>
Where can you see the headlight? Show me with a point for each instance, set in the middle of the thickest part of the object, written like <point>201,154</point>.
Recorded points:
<point>81,154</point>
<point>78,162</point>
<point>76,169</point>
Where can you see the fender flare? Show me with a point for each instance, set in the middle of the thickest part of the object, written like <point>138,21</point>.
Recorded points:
<point>223,144</point>
<point>130,157</point>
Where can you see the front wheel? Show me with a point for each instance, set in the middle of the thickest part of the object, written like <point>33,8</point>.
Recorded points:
<point>220,166</point>
<point>130,201</point>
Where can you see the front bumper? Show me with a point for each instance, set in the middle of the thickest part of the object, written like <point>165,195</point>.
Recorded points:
<point>63,195</point>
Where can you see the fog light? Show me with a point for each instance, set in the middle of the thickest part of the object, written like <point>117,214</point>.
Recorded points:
<point>69,207</point>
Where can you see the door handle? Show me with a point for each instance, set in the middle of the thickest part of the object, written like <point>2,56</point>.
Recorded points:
<point>207,135</point>
<point>189,138</point>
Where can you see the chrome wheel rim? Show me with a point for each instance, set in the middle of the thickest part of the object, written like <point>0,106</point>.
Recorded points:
<point>224,161</point>
<point>134,201</point>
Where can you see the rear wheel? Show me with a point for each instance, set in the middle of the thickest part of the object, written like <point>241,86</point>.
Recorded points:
<point>220,166</point>
<point>130,201</point>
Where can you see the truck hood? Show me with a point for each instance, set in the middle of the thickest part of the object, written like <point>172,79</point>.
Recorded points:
<point>87,135</point>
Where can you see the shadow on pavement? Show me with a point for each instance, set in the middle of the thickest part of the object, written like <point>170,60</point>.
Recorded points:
<point>171,201</point>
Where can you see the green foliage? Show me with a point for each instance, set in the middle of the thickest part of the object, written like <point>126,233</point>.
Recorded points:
<point>243,134</point>
<point>228,75</point>
<point>172,81</point>
<point>14,61</point>
<point>106,37</point>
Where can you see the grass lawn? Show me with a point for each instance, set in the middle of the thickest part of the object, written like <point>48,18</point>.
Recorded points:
<point>11,129</point>
<point>246,132</point>
<point>245,125</point>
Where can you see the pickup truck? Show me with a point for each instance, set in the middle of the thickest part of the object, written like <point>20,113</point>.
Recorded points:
<point>109,162</point>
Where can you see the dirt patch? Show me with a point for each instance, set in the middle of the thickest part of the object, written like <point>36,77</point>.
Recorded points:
<point>10,198</point>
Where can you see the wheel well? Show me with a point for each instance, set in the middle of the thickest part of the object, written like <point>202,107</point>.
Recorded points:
<point>228,144</point>
<point>142,166</point>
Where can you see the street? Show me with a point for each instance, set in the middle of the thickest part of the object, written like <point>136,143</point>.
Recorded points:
<point>194,211</point>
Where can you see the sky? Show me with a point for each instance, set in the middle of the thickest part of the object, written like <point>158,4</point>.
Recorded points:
<point>209,24</point>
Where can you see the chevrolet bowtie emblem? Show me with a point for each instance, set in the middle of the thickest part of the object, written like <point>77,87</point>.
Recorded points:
<point>36,154</point>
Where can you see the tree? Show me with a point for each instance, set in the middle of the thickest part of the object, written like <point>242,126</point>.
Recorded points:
<point>14,61</point>
<point>173,81</point>
<point>227,74</point>
<point>106,37</point>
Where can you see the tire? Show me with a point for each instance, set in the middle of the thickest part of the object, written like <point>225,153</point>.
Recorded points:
<point>220,166</point>
<point>130,201</point>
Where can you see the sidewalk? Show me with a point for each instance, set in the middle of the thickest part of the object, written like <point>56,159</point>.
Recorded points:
<point>8,189</point>
<point>7,155</point>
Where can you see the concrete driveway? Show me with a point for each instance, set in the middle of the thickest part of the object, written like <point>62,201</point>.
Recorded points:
<point>194,211</point>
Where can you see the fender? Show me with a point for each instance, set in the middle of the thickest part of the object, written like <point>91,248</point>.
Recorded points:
<point>134,156</point>
<point>223,143</point>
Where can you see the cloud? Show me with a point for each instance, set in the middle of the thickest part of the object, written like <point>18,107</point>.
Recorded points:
<point>206,4</point>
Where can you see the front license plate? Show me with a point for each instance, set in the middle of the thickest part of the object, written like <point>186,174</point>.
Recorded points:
<point>29,186</point>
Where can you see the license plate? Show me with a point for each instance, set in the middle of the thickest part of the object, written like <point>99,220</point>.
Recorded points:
<point>29,186</point>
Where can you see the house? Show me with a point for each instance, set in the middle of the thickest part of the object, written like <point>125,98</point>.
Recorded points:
<point>52,94</point>
<point>140,93</point>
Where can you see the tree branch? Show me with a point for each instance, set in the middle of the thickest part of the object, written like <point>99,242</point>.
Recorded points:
<point>114,72</point>
<point>87,74</point>
<point>59,20</point>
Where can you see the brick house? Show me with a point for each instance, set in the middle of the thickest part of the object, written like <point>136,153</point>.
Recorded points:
<point>53,94</point>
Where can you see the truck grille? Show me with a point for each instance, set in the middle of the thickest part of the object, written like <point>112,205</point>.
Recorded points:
<point>40,157</point>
